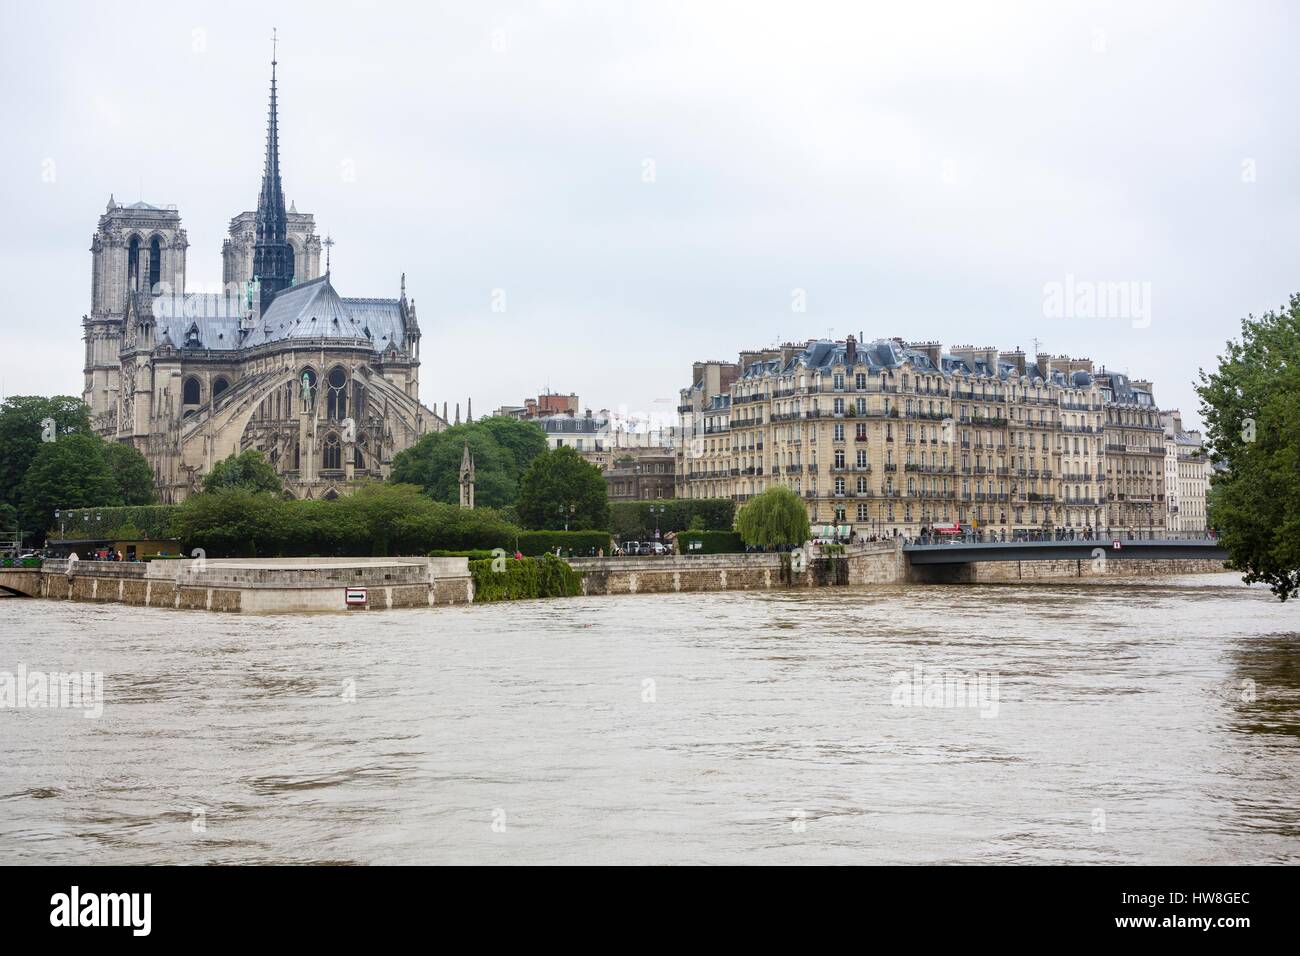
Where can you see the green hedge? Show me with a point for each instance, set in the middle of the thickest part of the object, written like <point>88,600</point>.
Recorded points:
<point>139,521</point>
<point>517,579</point>
<point>379,519</point>
<point>20,562</point>
<point>711,542</point>
<point>474,555</point>
<point>534,543</point>
<point>632,520</point>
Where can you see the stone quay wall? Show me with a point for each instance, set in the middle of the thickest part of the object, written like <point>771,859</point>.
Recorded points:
<point>318,584</point>
<point>877,563</point>
<point>262,585</point>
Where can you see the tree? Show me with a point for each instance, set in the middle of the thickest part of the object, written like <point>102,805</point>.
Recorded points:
<point>380,519</point>
<point>8,517</point>
<point>562,487</point>
<point>21,434</point>
<point>233,521</point>
<point>68,473</point>
<point>131,473</point>
<point>501,447</point>
<point>1251,407</point>
<point>524,440</point>
<point>773,518</point>
<point>248,470</point>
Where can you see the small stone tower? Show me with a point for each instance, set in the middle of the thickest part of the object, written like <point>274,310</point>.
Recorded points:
<point>467,479</point>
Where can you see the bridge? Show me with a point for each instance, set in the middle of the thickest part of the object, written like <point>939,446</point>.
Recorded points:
<point>968,561</point>
<point>20,582</point>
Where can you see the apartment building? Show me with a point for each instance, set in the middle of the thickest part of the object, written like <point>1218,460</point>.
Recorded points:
<point>889,437</point>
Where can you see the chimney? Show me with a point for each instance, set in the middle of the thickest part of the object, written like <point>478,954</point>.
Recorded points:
<point>933,351</point>
<point>851,350</point>
<point>1016,358</point>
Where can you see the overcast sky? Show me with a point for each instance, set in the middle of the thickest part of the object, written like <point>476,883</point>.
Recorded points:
<point>650,184</point>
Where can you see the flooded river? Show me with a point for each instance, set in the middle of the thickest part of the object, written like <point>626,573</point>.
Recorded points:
<point>1053,723</point>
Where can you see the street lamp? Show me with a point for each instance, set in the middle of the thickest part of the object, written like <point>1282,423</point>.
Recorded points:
<point>657,513</point>
<point>567,515</point>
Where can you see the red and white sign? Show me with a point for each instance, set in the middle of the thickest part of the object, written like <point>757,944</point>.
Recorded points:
<point>947,529</point>
<point>356,597</point>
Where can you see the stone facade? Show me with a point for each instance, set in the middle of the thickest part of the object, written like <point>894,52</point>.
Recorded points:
<point>641,474</point>
<point>1187,476</point>
<point>887,436</point>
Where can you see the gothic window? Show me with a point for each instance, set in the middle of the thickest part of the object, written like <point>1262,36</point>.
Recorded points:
<point>155,263</point>
<point>336,402</point>
<point>193,391</point>
<point>332,460</point>
<point>219,386</point>
<point>133,263</point>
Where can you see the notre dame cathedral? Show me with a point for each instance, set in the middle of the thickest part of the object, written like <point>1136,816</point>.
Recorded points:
<point>326,387</point>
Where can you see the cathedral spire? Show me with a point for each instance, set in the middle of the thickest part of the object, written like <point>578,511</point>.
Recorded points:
<point>272,254</point>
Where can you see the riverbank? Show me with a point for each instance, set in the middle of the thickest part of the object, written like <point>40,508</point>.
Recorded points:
<point>274,585</point>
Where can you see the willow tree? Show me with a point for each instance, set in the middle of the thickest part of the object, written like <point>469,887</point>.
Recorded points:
<point>1251,407</point>
<point>774,518</point>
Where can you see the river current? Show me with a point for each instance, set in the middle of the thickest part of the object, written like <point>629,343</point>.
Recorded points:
<point>1138,722</point>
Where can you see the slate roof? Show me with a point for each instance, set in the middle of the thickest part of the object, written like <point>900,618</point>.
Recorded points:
<point>310,310</point>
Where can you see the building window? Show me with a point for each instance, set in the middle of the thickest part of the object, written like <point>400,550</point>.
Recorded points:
<point>193,391</point>
<point>333,457</point>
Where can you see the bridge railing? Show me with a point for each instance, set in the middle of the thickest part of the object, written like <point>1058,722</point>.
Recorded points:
<point>1060,535</point>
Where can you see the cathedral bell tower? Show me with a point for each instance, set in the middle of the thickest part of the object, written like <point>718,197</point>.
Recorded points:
<point>272,253</point>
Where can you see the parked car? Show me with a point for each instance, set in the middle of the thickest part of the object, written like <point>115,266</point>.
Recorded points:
<point>657,547</point>
<point>630,548</point>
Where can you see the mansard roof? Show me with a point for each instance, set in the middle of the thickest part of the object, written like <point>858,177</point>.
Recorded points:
<point>824,356</point>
